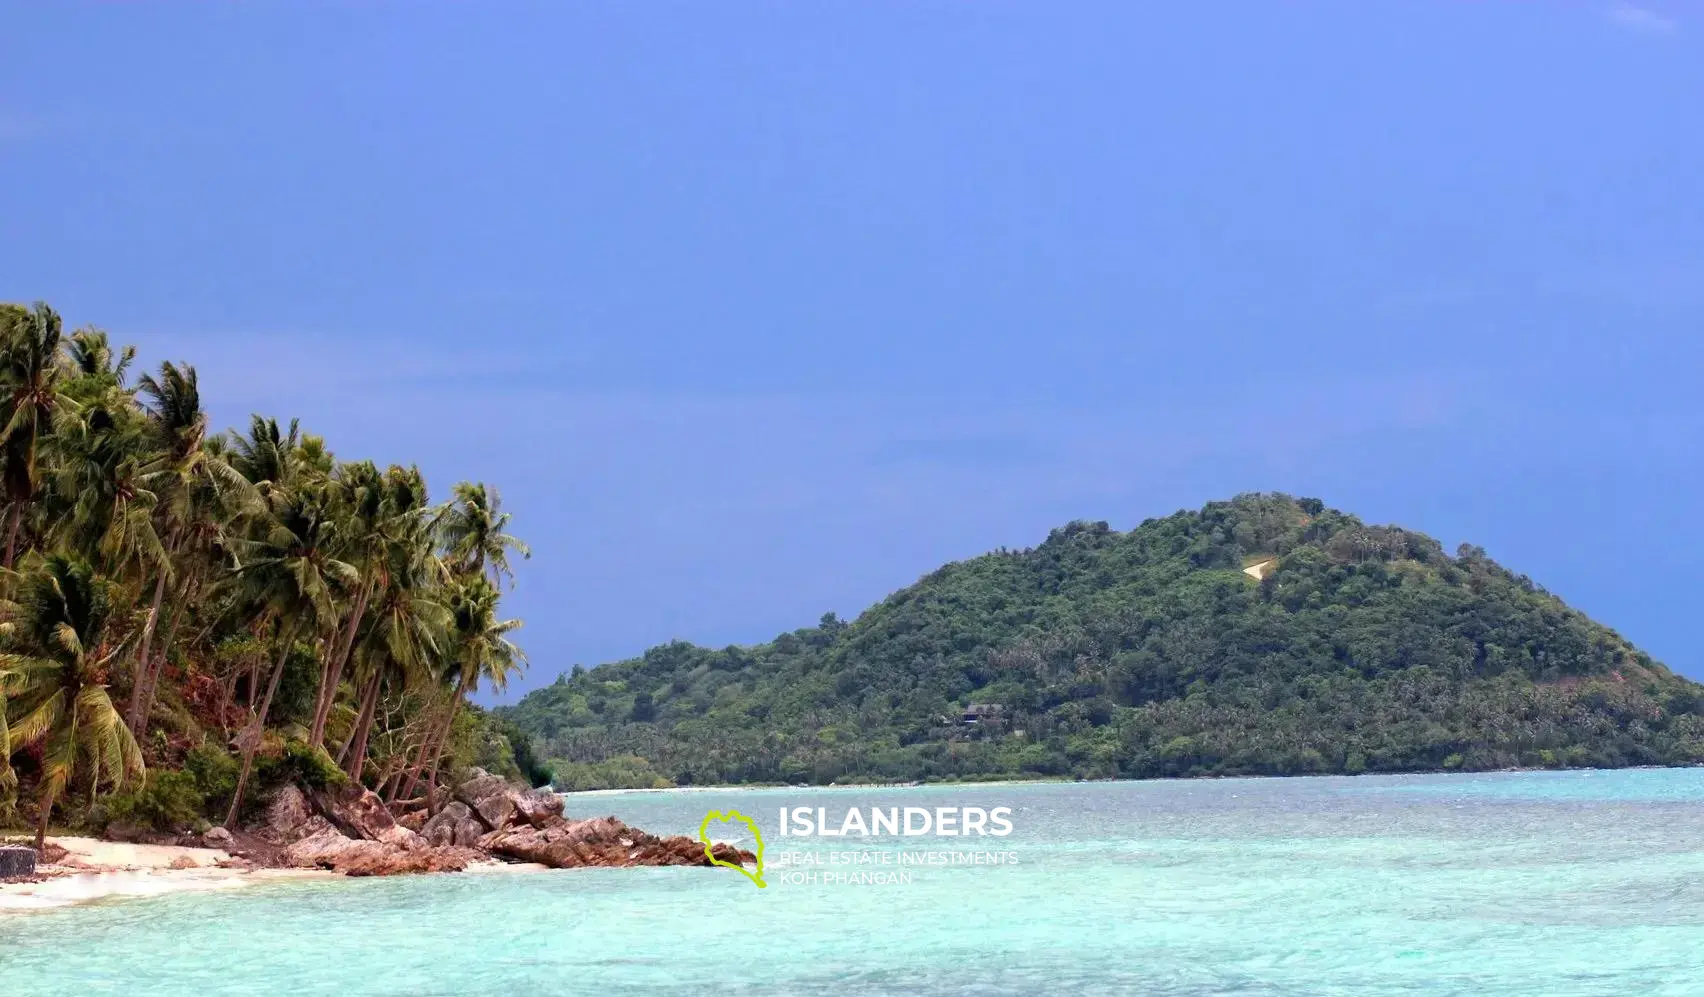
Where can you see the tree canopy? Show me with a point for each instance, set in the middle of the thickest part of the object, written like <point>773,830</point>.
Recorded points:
<point>259,606</point>
<point>1345,648</point>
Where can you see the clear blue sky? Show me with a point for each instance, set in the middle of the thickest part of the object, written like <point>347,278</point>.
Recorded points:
<point>757,310</point>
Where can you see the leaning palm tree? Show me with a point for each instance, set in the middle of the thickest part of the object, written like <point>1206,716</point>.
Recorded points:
<point>31,390</point>
<point>197,488</point>
<point>59,670</point>
<point>406,632</point>
<point>290,570</point>
<point>480,649</point>
<point>472,530</point>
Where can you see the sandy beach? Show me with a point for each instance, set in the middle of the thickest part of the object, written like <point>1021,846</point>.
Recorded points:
<point>97,870</point>
<point>94,870</point>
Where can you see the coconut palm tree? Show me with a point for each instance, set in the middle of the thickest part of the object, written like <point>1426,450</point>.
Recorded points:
<point>60,671</point>
<point>472,530</point>
<point>197,488</point>
<point>407,621</point>
<point>31,389</point>
<point>480,649</point>
<point>290,569</point>
<point>405,633</point>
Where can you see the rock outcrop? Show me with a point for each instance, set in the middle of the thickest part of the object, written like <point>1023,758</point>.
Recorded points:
<point>360,814</point>
<point>601,841</point>
<point>326,847</point>
<point>16,862</point>
<point>453,825</point>
<point>350,830</point>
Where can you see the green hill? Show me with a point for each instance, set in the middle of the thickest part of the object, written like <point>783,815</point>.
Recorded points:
<point>1146,653</point>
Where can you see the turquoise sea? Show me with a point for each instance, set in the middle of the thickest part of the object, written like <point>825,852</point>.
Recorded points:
<point>1540,884</point>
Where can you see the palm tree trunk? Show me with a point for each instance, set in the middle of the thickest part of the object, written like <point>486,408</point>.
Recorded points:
<point>437,743</point>
<point>134,716</point>
<point>41,824</point>
<point>355,746</point>
<point>328,681</point>
<point>160,663</point>
<point>133,712</point>
<point>251,744</point>
<point>14,519</point>
<point>358,756</point>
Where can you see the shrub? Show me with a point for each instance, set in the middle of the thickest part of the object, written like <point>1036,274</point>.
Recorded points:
<point>167,801</point>
<point>298,764</point>
<point>215,774</point>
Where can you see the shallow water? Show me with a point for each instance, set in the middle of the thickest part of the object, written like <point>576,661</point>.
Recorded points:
<point>1542,884</point>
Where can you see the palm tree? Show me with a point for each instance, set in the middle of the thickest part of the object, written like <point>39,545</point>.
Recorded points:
<point>60,673</point>
<point>291,570</point>
<point>480,649</point>
<point>268,458</point>
<point>406,628</point>
<point>92,357</point>
<point>31,373</point>
<point>197,486</point>
<point>406,632</point>
<point>472,531</point>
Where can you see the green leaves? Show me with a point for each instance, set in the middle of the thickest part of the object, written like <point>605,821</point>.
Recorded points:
<point>1147,653</point>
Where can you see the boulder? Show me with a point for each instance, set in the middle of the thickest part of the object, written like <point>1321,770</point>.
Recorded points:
<point>538,808</point>
<point>491,799</point>
<point>328,848</point>
<point>218,837</point>
<point>285,816</point>
<point>454,825</point>
<point>17,861</point>
<point>414,820</point>
<point>602,841</point>
<point>359,813</point>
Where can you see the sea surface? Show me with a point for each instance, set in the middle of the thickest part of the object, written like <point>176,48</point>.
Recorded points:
<point>1540,884</point>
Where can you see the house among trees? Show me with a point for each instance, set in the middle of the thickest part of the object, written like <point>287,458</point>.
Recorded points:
<point>983,713</point>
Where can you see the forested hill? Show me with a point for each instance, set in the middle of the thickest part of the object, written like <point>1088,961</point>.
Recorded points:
<point>1148,653</point>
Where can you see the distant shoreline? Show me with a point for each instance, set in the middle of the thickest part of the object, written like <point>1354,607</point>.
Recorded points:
<point>1044,781</point>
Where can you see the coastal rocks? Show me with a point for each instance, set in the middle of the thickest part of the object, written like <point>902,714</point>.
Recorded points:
<point>499,805</point>
<point>218,837</point>
<point>454,825</point>
<point>490,797</point>
<point>414,820</point>
<point>538,808</point>
<point>285,815</point>
<point>326,847</point>
<point>17,862</point>
<point>359,813</point>
<point>602,841</point>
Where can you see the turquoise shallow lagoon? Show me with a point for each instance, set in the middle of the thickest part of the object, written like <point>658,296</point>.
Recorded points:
<point>1540,884</point>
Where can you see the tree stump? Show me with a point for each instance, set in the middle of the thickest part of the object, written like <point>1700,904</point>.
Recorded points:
<point>16,861</point>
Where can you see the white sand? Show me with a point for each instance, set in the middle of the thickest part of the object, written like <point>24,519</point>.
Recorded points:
<point>94,870</point>
<point>93,853</point>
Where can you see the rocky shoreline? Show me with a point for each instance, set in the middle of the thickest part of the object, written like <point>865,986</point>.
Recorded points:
<point>351,831</point>
<point>488,824</point>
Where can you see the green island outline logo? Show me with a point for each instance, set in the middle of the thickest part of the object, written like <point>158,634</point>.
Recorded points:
<point>724,817</point>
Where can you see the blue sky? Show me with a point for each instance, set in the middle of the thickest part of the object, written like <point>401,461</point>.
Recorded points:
<point>757,310</point>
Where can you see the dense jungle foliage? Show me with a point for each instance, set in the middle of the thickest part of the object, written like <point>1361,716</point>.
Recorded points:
<point>1148,653</point>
